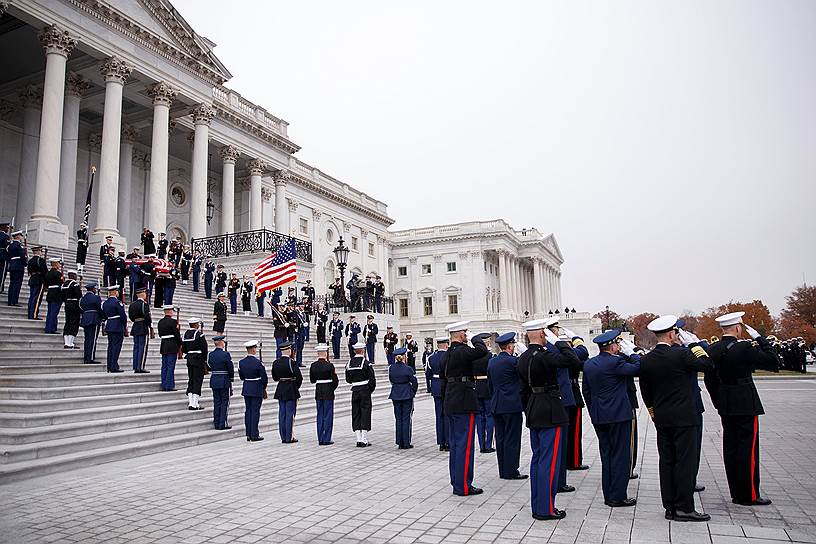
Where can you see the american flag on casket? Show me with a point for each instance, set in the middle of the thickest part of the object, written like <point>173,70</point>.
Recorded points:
<point>162,265</point>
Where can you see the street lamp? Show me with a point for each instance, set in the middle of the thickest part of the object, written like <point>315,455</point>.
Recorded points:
<point>341,254</point>
<point>210,209</point>
<point>607,317</point>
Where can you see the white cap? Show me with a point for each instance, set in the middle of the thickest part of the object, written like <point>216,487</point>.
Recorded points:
<point>251,344</point>
<point>53,260</point>
<point>440,339</point>
<point>168,307</point>
<point>535,324</point>
<point>551,321</point>
<point>193,321</point>
<point>221,294</point>
<point>71,271</point>
<point>322,347</point>
<point>730,319</point>
<point>663,323</point>
<point>358,345</point>
<point>458,326</point>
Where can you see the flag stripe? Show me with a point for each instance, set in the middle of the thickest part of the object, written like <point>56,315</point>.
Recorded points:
<point>277,269</point>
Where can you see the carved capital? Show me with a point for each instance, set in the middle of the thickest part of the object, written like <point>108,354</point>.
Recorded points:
<point>464,255</point>
<point>114,69</point>
<point>346,226</point>
<point>56,40</point>
<point>437,258</point>
<point>363,234</point>
<point>95,142</point>
<point>502,251</point>
<point>203,114</point>
<point>282,177</point>
<point>293,204</point>
<point>412,260</point>
<point>256,167</point>
<point>162,94</point>
<point>316,214</point>
<point>129,134</point>
<point>75,85</point>
<point>475,254</point>
<point>31,97</point>
<point>230,154</point>
<point>6,109</point>
<point>266,194</point>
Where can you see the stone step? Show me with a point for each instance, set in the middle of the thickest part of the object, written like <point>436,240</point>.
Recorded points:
<point>37,368</point>
<point>30,406</point>
<point>35,392</point>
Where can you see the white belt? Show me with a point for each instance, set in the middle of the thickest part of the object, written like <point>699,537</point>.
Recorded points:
<point>327,381</point>
<point>435,376</point>
<point>353,384</point>
<point>71,299</point>
<point>189,340</point>
<point>219,372</point>
<point>167,336</point>
<point>91,310</point>
<point>15,258</point>
<point>54,286</point>
<point>114,317</point>
<point>251,379</point>
<point>196,351</point>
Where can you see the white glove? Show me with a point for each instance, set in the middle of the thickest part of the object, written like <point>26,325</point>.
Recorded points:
<point>695,338</point>
<point>564,337</point>
<point>686,338</point>
<point>568,333</point>
<point>752,332</point>
<point>627,347</point>
<point>550,336</point>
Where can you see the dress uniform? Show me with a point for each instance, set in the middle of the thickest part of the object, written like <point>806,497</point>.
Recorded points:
<point>607,400</point>
<point>170,286</point>
<point>286,373</point>
<point>484,419</point>
<point>505,405</point>
<point>575,430</point>
<point>52,285</point>
<point>461,405</point>
<point>280,321</point>
<point>433,379</point>
<point>736,399</point>
<point>411,345</point>
<point>336,333</point>
<point>209,275</point>
<point>403,390</point>
<point>219,314</point>
<point>194,346</point>
<point>163,244</point>
<point>698,403</point>
<point>302,334</point>
<point>139,313</point>
<point>567,400</point>
<point>196,270</point>
<point>171,343</point>
<point>232,293</point>
<point>137,278</point>
<point>352,331</point>
<point>664,385</point>
<point>36,283</point>
<point>321,319</point>
<point>222,372</point>
<point>121,272</point>
<point>115,327</point>
<point>546,416</point>
<point>106,248</point>
<point>260,298</point>
<point>360,374</point>
<point>246,296</point>
<point>370,331</point>
<point>323,375</point>
<point>71,293</point>
<point>82,247</point>
<point>253,373</point>
<point>390,341</point>
<point>16,254</point>
<point>5,240</point>
<point>90,306</point>
<point>220,279</point>
<point>184,264</point>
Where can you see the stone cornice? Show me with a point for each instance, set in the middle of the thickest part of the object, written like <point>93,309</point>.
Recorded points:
<point>255,129</point>
<point>314,187</point>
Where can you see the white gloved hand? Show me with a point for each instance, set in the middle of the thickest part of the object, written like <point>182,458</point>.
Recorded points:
<point>694,337</point>
<point>686,338</point>
<point>563,336</point>
<point>627,347</point>
<point>752,332</point>
<point>568,333</point>
<point>550,336</point>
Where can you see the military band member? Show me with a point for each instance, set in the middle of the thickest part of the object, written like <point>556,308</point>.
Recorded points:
<point>163,245</point>
<point>220,314</point>
<point>390,342</point>
<point>247,288</point>
<point>52,284</point>
<point>253,373</point>
<point>433,379</point>
<point>194,346</point>
<point>222,372</point>
<point>352,331</point>
<point>36,282</point>
<point>71,293</point>
<point>209,276</point>
<point>506,407</point>
<point>286,373</point>
<point>91,321</point>
<point>141,330</point>
<point>370,331</point>
<point>324,376</point>
<point>196,269</point>
<point>171,343</point>
<point>336,333</point>
<point>321,319</point>
<point>360,374</point>
<point>735,396</point>
<point>16,254</point>
<point>82,247</point>
<point>403,390</point>
<point>484,417</point>
<point>115,327</point>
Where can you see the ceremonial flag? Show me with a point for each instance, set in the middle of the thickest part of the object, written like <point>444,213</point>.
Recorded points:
<point>278,269</point>
<point>162,266</point>
<point>88,198</point>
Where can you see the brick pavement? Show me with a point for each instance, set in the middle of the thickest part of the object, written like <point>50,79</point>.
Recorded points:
<point>233,491</point>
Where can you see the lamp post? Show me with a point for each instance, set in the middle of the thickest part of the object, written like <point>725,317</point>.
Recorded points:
<point>210,209</point>
<point>607,317</point>
<point>341,254</point>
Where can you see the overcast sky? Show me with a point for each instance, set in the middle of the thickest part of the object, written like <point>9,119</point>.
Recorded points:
<point>670,146</point>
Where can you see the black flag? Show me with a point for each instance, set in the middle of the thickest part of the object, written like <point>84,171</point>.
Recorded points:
<point>88,199</point>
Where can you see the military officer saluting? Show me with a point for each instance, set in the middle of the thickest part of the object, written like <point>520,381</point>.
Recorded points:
<point>53,295</point>
<point>506,407</point>
<point>222,372</point>
<point>403,390</point>
<point>36,282</point>
<point>209,274</point>
<point>141,330</point>
<point>171,343</point>
<point>16,255</point>
<point>433,378</point>
<point>253,373</point>
<point>90,306</point>
<point>286,372</point>
<point>220,314</point>
<point>106,248</point>
<point>360,374</point>
<point>115,327</point>
<point>323,375</point>
<point>484,419</point>
<point>194,346</point>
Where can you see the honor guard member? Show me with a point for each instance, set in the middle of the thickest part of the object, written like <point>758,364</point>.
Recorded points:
<point>247,288</point>
<point>403,390</point>
<point>390,341</point>
<point>461,405</point>
<point>698,402</point>
<point>352,331</point>
<point>222,372</point>
<point>82,247</point>
<point>16,267</point>
<point>506,407</point>
<point>321,319</point>
<point>106,248</point>
<point>336,332</point>
<point>196,269</point>
<point>323,375</point>
<point>293,321</point>
<point>194,346</point>
<point>220,279</point>
<point>171,343</point>
<point>36,282</point>
<point>484,419</point>
<point>109,268</point>
<point>115,327</point>
<point>607,400</point>
<point>575,430</point>
<point>121,274</point>
<point>253,373</point>
<point>170,286</point>
<point>232,291</point>
<point>71,293</point>
<point>665,374</point>
<point>286,373</point>
<point>379,292</point>
<point>360,374</point>
<point>163,244</point>
<point>137,278</point>
<point>433,379</point>
<point>53,295</point>
<point>5,240</point>
<point>280,321</point>
<point>302,333</point>
<point>209,276</point>
<point>546,417</point>
<point>411,345</point>
<point>370,331</point>
<point>185,263</point>
<point>735,397</point>
<point>220,314</point>
<point>90,320</point>
<point>141,330</point>
<point>260,297</point>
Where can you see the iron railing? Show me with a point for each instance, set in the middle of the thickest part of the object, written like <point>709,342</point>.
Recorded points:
<point>251,241</point>
<point>386,305</point>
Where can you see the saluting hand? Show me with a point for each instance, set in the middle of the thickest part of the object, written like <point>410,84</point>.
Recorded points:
<point>752,332</point>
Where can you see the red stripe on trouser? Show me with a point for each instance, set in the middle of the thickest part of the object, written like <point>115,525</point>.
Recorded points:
<point>467,452</point>
<point>552,465</point>
<point>753,459</point>
<point>576,461</point>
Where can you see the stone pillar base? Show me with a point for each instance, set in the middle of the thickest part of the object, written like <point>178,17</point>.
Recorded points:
<point>47,232</point>
<point>97,238</point>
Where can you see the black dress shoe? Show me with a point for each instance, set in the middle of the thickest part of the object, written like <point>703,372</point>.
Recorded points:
<point>581,467</point>
<point>227,428</point>
<point>325,443</point>
<point>760,501</point>
<point>518,477</point>
<point>145,371</point>
<point>488,450</point>
<point>366,444</point>
<point>557,514</point>
<point>199,407</point>
<point>694,515</point>
<point>444,448</point>
<point>75,347</point>
<point>699,488</point>
<point>249,439</point>
<point>566,489</point>
<point>619,504</point>
<point>67,347</point>
<point>441,448</point>
<point>634,476</point>
<point>115,371</point>
<point>408,447</point>
<point>360,445</point>
<point>258,439</point>
<point>191,408</point>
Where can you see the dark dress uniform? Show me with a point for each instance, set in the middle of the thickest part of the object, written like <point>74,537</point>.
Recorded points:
<point>196,271</point>
<point>287,374</point>
<point>260,298</point>
<point>219,316</point>
<point>36,282</point>
<point>484,419</point>
<point>137,278</point>
<point>352,331</point>
<point>546,418</point>
<point>253,373</point>
<point>735,397</point>
<point>324,376</point>
<point>390,341</point>
<point>403,390</point>
<point>16,254</point>
<point>90,320</point>
<point>664,386</point>
<point>461,406</point>
<point>321,318</point>
<point>433,379</point>
<point>170,286</point>
<point>246,296</point>
<point>280,322</point>
<point>185,263</point>
<point>170,345</point>
<point>53,297</point>
<point>412,347</point>
<point>121,271</point>
<point>194,346</point>
<point>336,332</point>
<point>220,282</point>
<point>222,372</point>
<point>360,374</point>
<point>115,329</point>
<point>108,269</point>
<point>232,294</point>
<point>162,251</point>
<point>139,313</point>
<point>506,407</point>
<point>5,240</point>
<point>147,242</point>
<point>71,293</point>
<point>82,246</point>
<point>209,274</point>
<point>574,453</point>
<point>370,331</point>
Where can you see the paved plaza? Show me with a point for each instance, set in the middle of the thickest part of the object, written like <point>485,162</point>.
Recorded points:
<point>233,491</point>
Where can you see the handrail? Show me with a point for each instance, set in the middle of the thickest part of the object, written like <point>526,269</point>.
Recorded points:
<point>251,241</point>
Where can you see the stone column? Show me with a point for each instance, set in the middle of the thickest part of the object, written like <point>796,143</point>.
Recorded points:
<point>558,288</point>
<point>281,178</point>
<point>125,181</point>
<point>229,155</point>
<point>537,287</point>
<point>202,115</point>
<point>163,96</point>
<point>74,88</point>
<point>256,170</point>
<point>503,283</point>
<point>31,101</point>
<point>553,302</point>
<point>146,193</point>
<point>94,147</point>
<point>45,226</point>
<point>516,286</point>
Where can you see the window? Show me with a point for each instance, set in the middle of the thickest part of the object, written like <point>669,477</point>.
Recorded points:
<point>452,267</point>
<point>371,249</point>
<point>330,236</point>
<point>304,225</point>
<point>427,305</point>
<point>403,307</point>
<point>402,271</point>
<point>426,270</point>
<point>354,242</point>
<point>453,304</point>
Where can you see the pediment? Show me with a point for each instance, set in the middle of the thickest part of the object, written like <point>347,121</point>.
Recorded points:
<point>552,246</point>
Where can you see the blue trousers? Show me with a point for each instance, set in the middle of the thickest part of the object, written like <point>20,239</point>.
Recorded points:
<point>207,286</point>
<point>168,295</point>
<point>34,300</point>
<point>260,303</point>
<point>300,341</point>
<point>15,284</point>
<point>114,348</point>
<point>220,407</point>
<point>233,298</point>
<point>3,271</point>
<point>508,443</point>
<point>462,439</point>
<point>370,348</point>
<point>613,441</point>
<point>306,331</point>
<point>196,276</point>
<point>389,356</point>
<point>278,342</point>
<point>336,346</point>
<point>325,421</point>
<point>351,350</point>
<point>403,409</point>
<point>168,372</point>
<point>286,418</point>
<point>484,424</point>
<point>252,415</point>
<point>544,468</point>
<point>442,435</point>
<point>52,316</point>
<point>89,342</point>
<point>139,351</point>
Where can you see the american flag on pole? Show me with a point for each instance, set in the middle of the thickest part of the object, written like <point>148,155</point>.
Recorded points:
<point>278,269</point>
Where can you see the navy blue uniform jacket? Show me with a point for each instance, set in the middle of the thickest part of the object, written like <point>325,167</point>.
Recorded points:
<point>433,372</point>
<point>253,372</point>
<point>221,368</point>
<point>505,387</point>
<point>606,388</point>
<point>91,306</point>
<point>403,382</point>
<point>114,315</point>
